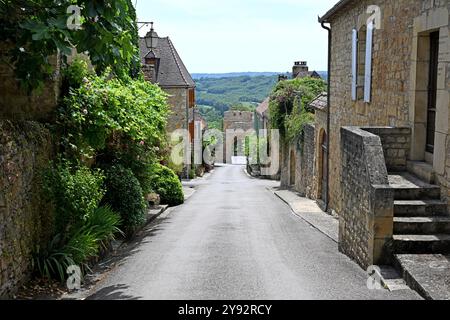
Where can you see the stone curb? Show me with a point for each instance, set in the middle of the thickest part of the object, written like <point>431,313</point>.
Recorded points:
<point>314,224</point>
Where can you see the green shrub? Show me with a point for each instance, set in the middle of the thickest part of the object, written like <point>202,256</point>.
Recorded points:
<point>75,192</point>
<point>82,227</point>
<point>166,183</point>
<point>83,243</point>
<point>104,106</point>
<point>124,195</point>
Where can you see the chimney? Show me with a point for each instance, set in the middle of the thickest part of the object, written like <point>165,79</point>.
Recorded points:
<point>300,69</point>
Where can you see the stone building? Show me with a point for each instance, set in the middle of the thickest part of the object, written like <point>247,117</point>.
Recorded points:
<point>236,125</point>
<point>386,132</point>
<point>301,70</point>
<point>162,65</point>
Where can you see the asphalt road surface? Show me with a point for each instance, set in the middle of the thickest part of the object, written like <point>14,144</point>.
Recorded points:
<point>234,239</point>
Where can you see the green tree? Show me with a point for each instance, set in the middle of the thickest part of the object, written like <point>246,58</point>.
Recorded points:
<point>36,30</point>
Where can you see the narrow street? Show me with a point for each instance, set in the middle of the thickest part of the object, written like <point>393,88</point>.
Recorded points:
<point>234,239</point>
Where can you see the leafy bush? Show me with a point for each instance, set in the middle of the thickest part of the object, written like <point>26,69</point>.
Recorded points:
<point>125,196</point>
<point>83,243</point>
<point>82,227</point>
<point>166,183</point>
<point>75,192</point>
<point>104,108</point>
<point>76,73</point>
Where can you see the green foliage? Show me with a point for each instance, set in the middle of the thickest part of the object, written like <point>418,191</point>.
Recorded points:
<point>82,244</point>
<point>243,107</point>
<point>223,93</point>
<point>295,122</point>
<point>288,102</point>
<point>75,74</point>
<point>255,147</point>
<point>82,227</point>
<point>212,116</point>
<point>37,29</point>
<point>75,193</point>
<point>166,183</point>
<point>102,108</point>
<point>125,196</point>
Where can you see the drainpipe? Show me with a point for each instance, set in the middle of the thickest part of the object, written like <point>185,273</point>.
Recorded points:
<point>327,201</point>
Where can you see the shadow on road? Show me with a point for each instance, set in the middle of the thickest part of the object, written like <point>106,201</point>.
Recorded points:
<point>113,293</point>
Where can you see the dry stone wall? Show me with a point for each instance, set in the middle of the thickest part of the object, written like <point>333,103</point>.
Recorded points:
<point>25,217</point>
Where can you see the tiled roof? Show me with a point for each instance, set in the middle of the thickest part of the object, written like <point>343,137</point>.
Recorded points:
<point>341,4</point>
<point>263,108</point>
<point>172,71</point>
<point>320,102</point>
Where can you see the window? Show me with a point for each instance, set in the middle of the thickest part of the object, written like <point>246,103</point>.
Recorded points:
<point>362,42</point>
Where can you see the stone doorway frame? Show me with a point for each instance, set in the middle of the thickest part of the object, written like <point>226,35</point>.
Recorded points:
<point>292,168</point>
<point>436,19</point>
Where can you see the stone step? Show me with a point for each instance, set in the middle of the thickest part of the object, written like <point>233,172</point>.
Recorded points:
<point>422,170</point>
<point>420,208</point>
<point>408,187</point>
<point>421,244</point>
<point>428,274</point>
<point>421,225</point>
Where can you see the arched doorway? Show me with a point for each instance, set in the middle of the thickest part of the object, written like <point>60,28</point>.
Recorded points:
<point>292,165</point>
<point>323,172</point>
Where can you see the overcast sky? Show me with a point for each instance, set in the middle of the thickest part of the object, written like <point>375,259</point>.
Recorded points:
<point>216,36</point>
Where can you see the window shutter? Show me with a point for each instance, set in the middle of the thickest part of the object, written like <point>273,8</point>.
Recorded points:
<point>354,63</point>
<point>368,71</point>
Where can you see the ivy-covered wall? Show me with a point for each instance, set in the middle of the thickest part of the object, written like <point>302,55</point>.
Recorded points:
<point>25,217</point>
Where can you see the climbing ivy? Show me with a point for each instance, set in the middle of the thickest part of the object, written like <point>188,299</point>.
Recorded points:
<point>104,109</point>
<point>34,30</point>
<point>289,102</point>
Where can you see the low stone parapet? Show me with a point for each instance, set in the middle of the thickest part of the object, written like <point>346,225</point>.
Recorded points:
<point>366,219</point>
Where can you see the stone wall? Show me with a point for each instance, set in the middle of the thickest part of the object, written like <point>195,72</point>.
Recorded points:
<point>305,182</point>
<point>366,218</point>
<point>25,218</point>
<point>396,144</point>
<point>17,104</point>
<point>178,103</point>
<point>305,168</point>
<point>397,68</point>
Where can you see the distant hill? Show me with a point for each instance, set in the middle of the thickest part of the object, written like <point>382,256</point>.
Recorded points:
<point>196,76</point>
<point>234,74</point>
<point>224,92</point>
<point>217,93</point>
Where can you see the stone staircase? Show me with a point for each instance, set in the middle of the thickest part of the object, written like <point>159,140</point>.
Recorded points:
<point>421,219</point>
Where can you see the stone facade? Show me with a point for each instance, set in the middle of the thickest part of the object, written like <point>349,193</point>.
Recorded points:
<point>236,124</point>
<point>178,101</point>
<point>370,139</point>
<point>25,218</point>
<point>399,66</point>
